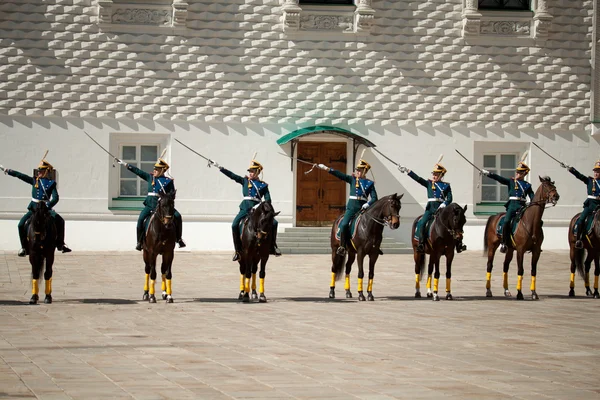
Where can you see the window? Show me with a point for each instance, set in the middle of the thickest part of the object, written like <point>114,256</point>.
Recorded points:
<point>336,2</point>
<point>504,5</point>
<point>142,157</point>
<point>500,164</point>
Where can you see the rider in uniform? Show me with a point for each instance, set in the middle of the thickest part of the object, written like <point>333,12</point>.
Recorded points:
<point>361,188</point>
<point>157,182</point>
<point>42,189</point>
<point>518,190</point>
<point>254,191</point>
<point>593,199</point>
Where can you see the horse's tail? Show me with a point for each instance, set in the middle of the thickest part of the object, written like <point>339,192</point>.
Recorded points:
<point>488,225</point>
<point>579,257</point>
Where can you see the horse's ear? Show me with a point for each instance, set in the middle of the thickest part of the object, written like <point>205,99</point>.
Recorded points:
<point>465,208</point>
<point>277,213</point>
<point>401,196</point>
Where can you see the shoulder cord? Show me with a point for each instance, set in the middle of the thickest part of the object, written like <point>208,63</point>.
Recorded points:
<point>256,188</point>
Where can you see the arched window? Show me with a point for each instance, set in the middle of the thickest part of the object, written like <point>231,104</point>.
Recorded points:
<point>504,5</point>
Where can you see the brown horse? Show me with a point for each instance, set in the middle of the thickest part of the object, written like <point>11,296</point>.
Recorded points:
<point>160,239</point>
<point>528,236</point>
<point>366,241</point>
<point>41,239</point>
<point>446,229</point>
<point>591,251</point>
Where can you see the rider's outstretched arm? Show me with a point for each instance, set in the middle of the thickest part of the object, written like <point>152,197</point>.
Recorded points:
<point>418,179</point>
<point>25,178</point>
<point>232,176</point>
<point>142,174</point>
<point>579,175</point>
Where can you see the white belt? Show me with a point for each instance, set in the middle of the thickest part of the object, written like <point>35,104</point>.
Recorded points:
<point>594,197</point>
<point>516,198</point>
<point>435,199</point>
<point>152,194</point>
<point>35,200</point>
<point>357,198</point>
<point>252,198</point>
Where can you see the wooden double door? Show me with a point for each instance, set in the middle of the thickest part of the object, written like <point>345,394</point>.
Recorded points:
<point>320,196</point>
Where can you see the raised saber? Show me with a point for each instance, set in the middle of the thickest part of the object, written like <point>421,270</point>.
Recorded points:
<point>99,145</point>
<point>386,157</point>
<point>195,152</point>
<point>300,160</point>
<point>546,153</point>
<point>467,160</point>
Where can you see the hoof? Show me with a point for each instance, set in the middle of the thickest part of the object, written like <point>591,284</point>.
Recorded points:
<point>571,292</point>
<point>588,291</point>
<point>241,295</point>
<point>246,298</point>
<point>534,296</point>
<point>254,295</point>
<point>348,294</point>
<point>152,299</point>
<point>488,293</point>
<point>370,296</point>
<point>332,293</point>
<point>507,293</point>
<point>436,297</point>
<point>48,299</point>
<point>449,296</point>
<point>169,298</point>
<point>262,298</point>
<point>164,295</point>
<point>145,295</point>
<point>34,299</point>
<point>596,294</point>
<point>429,295</point>
<point>520,295</point>
<point>417,295</point>
<point>361,296</point>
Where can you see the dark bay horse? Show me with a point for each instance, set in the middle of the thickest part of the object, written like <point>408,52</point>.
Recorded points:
<point>581,259</point>
<point>366,241</point>
<point>160,239</point>
<point>446,229</point>
<point>41,238</point>
<point>256,245</point>
<point>528,236</point>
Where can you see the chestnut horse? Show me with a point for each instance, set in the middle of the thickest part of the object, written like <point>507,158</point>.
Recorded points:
<point>528,236</point>
<point>160,239</point>
<point>591,251</point>
<point>446,229</point>
<point>368,235</point>
<point>41,239</point>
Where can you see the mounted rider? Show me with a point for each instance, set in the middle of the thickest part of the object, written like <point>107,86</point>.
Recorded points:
<point>361,189</point>
<point>157,182</point>
<point>254,191</point>
<point>592,202</point>
<point>42,189</point>
<point>518,191</point>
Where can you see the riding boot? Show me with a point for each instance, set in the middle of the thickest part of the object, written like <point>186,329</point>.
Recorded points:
<point>179,232</point>
<point>460,247</point>
<point>181,243</point>
<point>274,249</point>
<point>237,244</point>
<point>505,236</point>
<point>341,251</point>
<point>578,236</point>
<point>23,239</point>
<point>140,233</point>
<point>421,245</point>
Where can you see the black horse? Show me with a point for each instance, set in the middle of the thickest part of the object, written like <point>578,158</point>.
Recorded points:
<point>256,245</point>
<point>366,241</point>
<point>581,259</point>
<point>446,229</point>
<point>41,237</point>
<point>160,238</point>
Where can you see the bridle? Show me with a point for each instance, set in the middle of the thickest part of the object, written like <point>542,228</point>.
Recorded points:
<point>455,233</point>
<point>386,220</point>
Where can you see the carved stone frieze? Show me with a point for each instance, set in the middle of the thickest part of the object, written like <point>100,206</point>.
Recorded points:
<point>138,16</point>
<point>505,28</point>
<point>124,13</point>
<point>326,23</point>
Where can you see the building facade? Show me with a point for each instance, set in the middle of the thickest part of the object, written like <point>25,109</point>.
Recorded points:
<point>319,80</point>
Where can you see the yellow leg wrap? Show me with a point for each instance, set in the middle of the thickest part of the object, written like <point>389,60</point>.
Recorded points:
<point>436,283</point>
<point>34,286</point>
<point>595,282</point>
<point>261,287</point>
<point>359,285</point>
<point>152,284</point>
<point>448,285</point>
<point>505,280</point>
<point>532,287</point>
<point>572,280</point>
<point>347,282</point>
<point>146,282</point>
<point>48,286</point>
<point>253,281</point>
<point>488,280</point>
<point>241,282</point>
<point>247,285</point>
<point>417,281</point>
<point>332,284</point>
<point>168,287</point>
<point>163,285</point>
<point>587,279</point>
<point>370,286</point>
<point>519,282</point>
<point>428,281</point>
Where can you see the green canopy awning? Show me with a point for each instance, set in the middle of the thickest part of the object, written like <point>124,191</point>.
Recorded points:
<point>324,129</point>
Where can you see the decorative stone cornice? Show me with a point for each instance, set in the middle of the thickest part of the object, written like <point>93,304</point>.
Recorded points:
<point>291,15</point>
<point>171,14</point>
<point>333,18</point>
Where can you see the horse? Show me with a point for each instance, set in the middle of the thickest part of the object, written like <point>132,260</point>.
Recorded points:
<point>256,245</point>
<point>368,234</point>
<point>160,239</point>
<point>446,229</point>
<point>528,236</point>
<point>591,251</point>
<point>41,238</point>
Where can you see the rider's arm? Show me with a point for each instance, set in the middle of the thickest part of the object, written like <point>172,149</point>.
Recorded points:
<point>266,195</point>
<point>21,176</point>
<point>417,178</point>
<point>142,174</point>
<point>498,178</point>
<point>232,176</point>
<point>579,175</point>
<point>373,195</point>
<point>529,193</point>
<point>340,175</point>
<point>53,196</point>
<point>448,195</point>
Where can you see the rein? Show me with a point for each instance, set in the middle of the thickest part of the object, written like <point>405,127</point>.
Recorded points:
<point>542,202</point>
<point>450,231</point>
<point>385,221</point>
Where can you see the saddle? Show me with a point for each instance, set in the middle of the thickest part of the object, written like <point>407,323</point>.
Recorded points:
<point>587,224</point>
<point>427,228</point>
<point>353,224</point>
<point>242,225</point>
<point>515,223</point>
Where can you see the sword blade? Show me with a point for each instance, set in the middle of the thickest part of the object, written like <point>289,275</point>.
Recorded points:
<point>467,160</point>
<point>386,157</point>
<point>296,158</point>
<point>192,150</point>
<point>99,145</point>
<point>546,153</point>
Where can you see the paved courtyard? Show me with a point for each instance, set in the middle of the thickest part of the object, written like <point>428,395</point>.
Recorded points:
<point>98,340</point>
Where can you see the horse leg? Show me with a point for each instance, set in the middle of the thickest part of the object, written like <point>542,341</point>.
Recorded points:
<point>372,260</point>
<point>151,291</point>
<point>588,267</point>
<point>535,256</point>
<point>435,264</point>
<point>510,252</point>
<point>596,276</point>
<point>167,275</point>
<point>48,277</point>
<point>253,284</point>
<point>430,268</point>
<point>572,256</point>
<point>520,272</point>
<point>449,258</point>
<point>242,280</point>
<point>351,257</point>
<point>36,269</point>
<point>146,295</point>
<point>490,266</point>
<point>247,277</point>
<point>361,273</point>
<point>419,263</point>
<point>263,272</point>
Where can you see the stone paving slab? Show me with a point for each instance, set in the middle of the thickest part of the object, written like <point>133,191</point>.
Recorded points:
<point>99,340</point>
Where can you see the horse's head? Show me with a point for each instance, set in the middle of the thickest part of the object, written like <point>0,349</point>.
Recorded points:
<point>39,223</point>
<point>453,218</point>
<point>166,207</point>
<point>262,218</point>
<point>390,211</point>
<point>549,194</point>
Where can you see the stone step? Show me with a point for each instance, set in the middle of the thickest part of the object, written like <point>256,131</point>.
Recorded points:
<point>285,238</point>
<point>310,250</point>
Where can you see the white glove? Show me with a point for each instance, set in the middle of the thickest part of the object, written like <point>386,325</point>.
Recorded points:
<point>485,172</point>
<point>442,205</point>
<point>402,169</point>
<point>256,206</point>
<point>212,163</point>
<point>365,206</point>
<point>3,169</point>
<point>527,203</point>
<point>121,162</point>
<point>323,167</point>
<point>565,165</point>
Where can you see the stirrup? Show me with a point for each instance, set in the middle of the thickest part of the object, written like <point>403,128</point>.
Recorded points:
<point>503,248</point>
<point>181,243</point>
<point>341,251</point>
<point>65,249</point>
<point>138,247</point>
<point>236,256</point>
<point>579,244</point>
<point>421,248</point>
<point>22,252</point>
<point>276,252</point>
